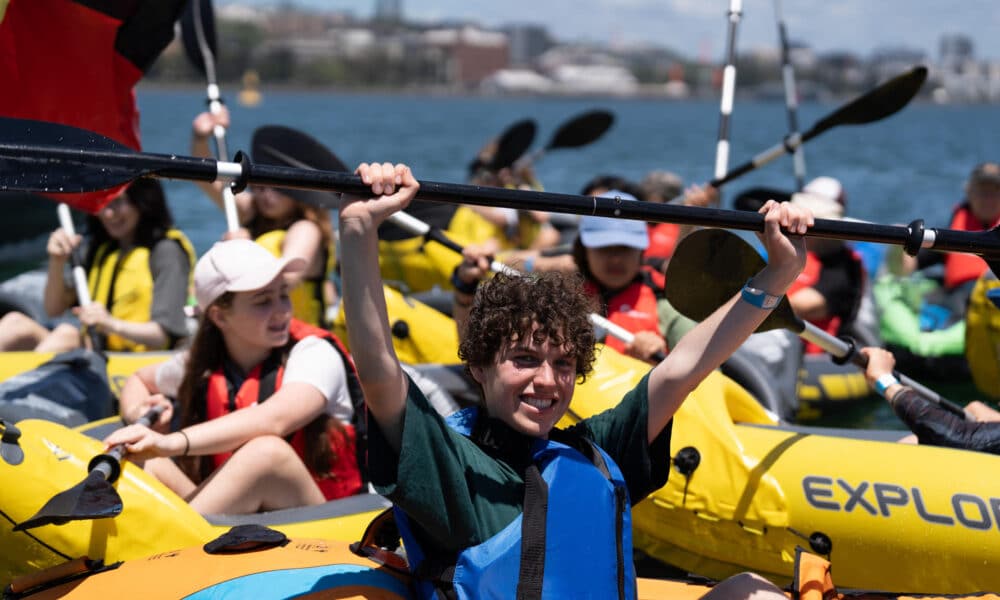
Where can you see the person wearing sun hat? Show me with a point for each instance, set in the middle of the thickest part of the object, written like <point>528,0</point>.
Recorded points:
<point>829,290</point>
<point>267,405</point>
<point>608,253</point>
<point>288,222</point>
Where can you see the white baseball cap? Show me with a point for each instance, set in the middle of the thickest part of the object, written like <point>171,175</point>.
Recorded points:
<point>238,266</point>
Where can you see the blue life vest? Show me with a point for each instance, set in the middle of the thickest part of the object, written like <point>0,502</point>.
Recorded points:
<point>581,548</point>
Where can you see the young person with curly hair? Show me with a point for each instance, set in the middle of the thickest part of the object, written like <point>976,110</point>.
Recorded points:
<point>497,501</point>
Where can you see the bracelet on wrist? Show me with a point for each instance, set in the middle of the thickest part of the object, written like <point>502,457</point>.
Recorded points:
<point>463,287</point>
<point>758,297</point>
<point>884,382</point>
<point>187,442</point>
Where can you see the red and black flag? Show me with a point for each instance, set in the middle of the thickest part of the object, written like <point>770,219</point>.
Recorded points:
<point>76,61</point>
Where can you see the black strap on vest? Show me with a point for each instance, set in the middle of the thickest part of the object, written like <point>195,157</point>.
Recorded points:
<point>536,505</point>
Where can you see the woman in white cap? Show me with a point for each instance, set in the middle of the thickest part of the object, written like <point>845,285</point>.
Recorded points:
<point>289,223</point>
<point>266,402</point>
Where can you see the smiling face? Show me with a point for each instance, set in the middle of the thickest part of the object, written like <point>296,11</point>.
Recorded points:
<point>255,321</point>
<point>120,219</point>
<point>614,267</point>
<point>529,386</point>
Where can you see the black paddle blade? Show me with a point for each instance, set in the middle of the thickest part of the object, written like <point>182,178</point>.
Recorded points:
<point>198,35</point>
<point>582,130</point>
<point>877,104</point>
<point>38,156</point>
<point>513,143</point>
<point>753,198</point>
<point>709,267</point>
<point>92,498</point>
<point>284,146</point>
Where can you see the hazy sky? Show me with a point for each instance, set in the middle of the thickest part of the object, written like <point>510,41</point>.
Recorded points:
<point>698,27</point>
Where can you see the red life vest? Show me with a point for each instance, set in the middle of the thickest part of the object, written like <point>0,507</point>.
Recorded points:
<point>633,308</point>
<point>662,240</point>
<point>958,267</point>
<point>344,477</point>
<point>809,277</point>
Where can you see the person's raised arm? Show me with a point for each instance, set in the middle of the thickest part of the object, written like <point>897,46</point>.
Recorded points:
<point>382,379</point>
<point>713,340</point>
<point>201,132</point>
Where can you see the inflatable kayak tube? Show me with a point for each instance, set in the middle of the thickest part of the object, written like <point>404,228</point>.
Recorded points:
<point>745,491</point>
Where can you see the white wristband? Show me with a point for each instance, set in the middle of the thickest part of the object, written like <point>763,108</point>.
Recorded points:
<point>884,382</point>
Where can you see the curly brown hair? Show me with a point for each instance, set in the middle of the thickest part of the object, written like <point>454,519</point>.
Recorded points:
<point>507,307</point>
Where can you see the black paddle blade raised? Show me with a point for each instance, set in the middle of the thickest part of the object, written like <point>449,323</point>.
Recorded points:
<point>198,35</point>
<point>709,267</point>
<point>513,143</point>
<point>582,130</point>
<point>92,498</point>
<point>877,104</point>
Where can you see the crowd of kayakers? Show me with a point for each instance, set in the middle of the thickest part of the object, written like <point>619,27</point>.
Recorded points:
<point>264,408</point>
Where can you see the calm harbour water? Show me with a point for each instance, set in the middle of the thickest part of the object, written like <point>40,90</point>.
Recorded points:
<point>911,165</point>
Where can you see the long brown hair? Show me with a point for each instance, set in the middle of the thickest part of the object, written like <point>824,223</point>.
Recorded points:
<point>205,356</point>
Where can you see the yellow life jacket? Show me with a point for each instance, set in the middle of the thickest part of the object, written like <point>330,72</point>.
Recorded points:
<point>124,284</point>
<point>472,226</point>
<point>982,337</point>
<point>308,303</point>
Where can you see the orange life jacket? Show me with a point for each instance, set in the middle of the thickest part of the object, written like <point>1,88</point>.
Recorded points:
<point>958,267</point>
<point>633,308</point>
<point>809,277</point>
<point>662,240</point>
<point>344,477</point>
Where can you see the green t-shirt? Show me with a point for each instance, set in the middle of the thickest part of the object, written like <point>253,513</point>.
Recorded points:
<point>458,494</point>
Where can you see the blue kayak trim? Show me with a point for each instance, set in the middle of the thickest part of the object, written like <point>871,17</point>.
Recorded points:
<point>288,583</point>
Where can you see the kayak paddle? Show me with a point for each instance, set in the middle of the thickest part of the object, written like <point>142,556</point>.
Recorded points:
<point>198,36</point>
<point>93,498</point>
<point>877,104</point>
<point>79,275</point>
<point>512,143</point>
<point>579,131</point>
<point>710,266</point>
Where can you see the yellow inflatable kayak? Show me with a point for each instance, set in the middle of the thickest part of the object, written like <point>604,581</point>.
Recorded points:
<point>894,517</point>
<point>279,568</point>
<point>153,520</point>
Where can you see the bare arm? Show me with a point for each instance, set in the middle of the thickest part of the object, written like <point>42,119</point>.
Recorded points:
<point>809,304</point>
<point>288,409</point>
<point>713,340</point>
<point>140,393</point>
<point>366,315</point>
<point>304,241</point>
<point>201,132</point>
<point>148,333</point>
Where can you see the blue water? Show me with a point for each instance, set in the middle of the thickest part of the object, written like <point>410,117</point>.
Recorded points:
<point>910,165</point>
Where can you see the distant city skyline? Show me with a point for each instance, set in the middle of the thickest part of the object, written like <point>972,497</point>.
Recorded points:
<point>697,28</point>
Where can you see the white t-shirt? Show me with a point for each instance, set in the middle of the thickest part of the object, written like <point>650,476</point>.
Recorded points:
<point>312,360</point>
